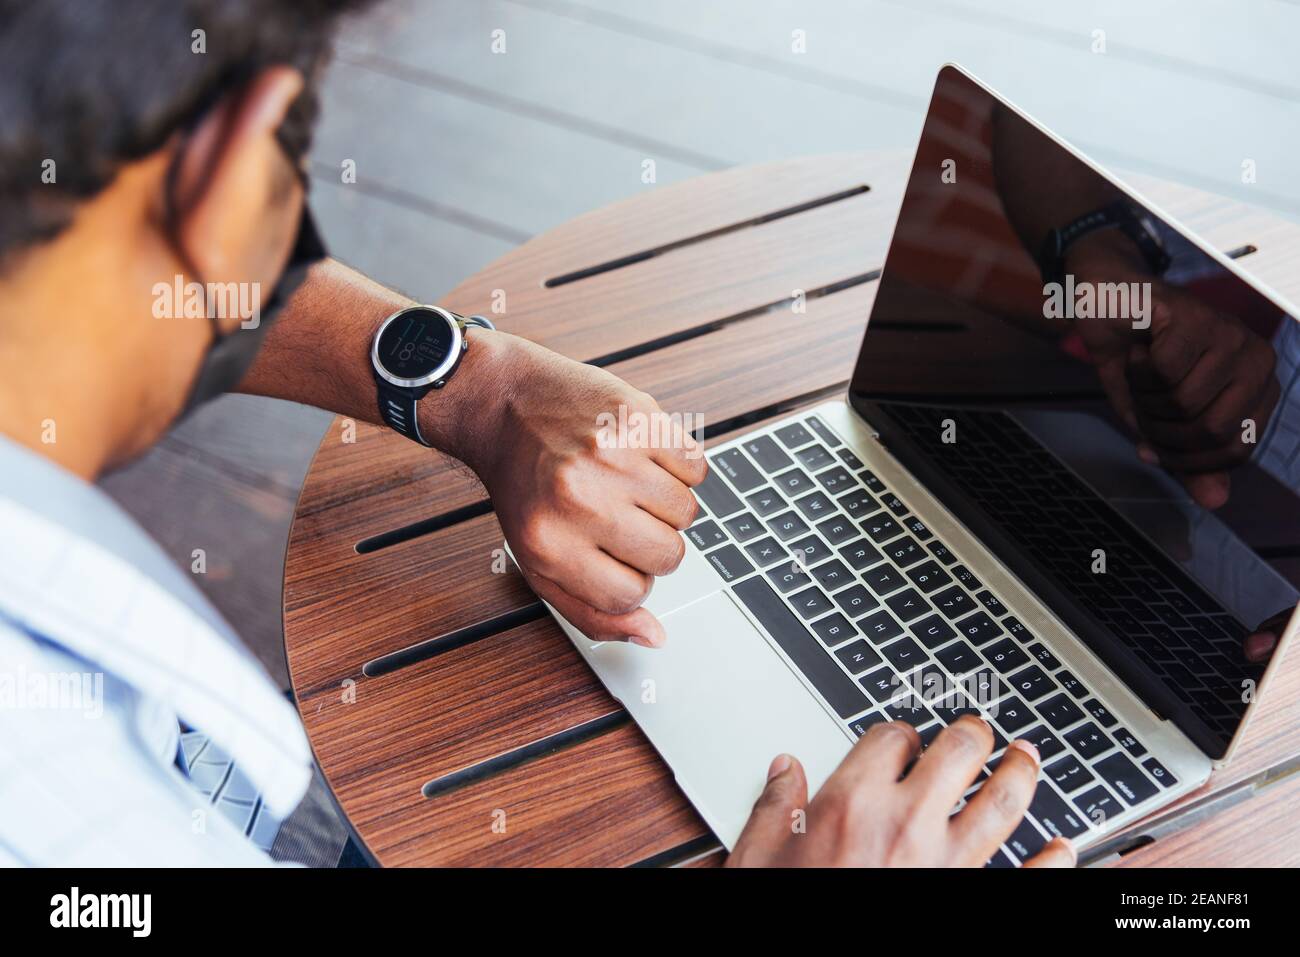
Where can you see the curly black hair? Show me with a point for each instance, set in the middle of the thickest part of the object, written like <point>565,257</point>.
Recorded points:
<point>95,84</point>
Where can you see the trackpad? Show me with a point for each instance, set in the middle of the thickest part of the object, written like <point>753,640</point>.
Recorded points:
<point>693,579</point>
<point>719,704</point>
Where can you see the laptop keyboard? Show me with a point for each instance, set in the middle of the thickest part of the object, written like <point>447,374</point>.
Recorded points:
<point>885,621</point>
<point>1184,636</point>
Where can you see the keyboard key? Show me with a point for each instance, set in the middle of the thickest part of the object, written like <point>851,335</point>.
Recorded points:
<point>1000,859</point>
<point>797,642</point>
<point>861,554</point>
<point>1025,841</point>
<point>832,575</point>
<point>814,457</point>
<point>908,605</point>
<point>869,479</point>
<point>836,480</point>
<point>904,654</point>
<point>992,603</point>
<point>715,496</point>
<point>1060,712</point>
<point>918,528</point>
<point>823,433</point>
<point>765,502</point>
<point>706,534</point>
<point>929,576</point>
<point>793,482</point>
<point>1011,714</point>
<point>729,563</point>
<point>1070,683</point>
<point>953,603</point>
<point>787,525</point>
<point>882,684</point>
<point>932,631</point>
<point>849,459</point>
<point>858,656</point>
<point>940,551</point>
<point>1068,774</point>
<point>814,507</point>
<point>893,503</point>
<point>834,629</point>
<point>967,578</point>
<point>1032,683</point>
<point>952,706</point>
<point>881,527</point>
<point>1158,771</point>
<point>1089,740</point>
<point>1129,743</point>
<point>1048,744</point>
<point>1005,655</point>
<point>911,709</point>
<point>985,686</point>
<point>858,504</point>
<point>880,627</point>
<point>810,603</point>
<point>958,657</point>
<point>738,469</point>
<point>1056,817</point>
<point>769,456</point>
<point>884,579</point>
<point>1125,779</point>
<point>744,527</point>
<point>837,530</point>
<point>856,601</point>
<point>1016,630</point>
<point>1098,806</point>
<point>904,552</point>
<point>928,734</point>
<point>810,551</point>
<point>860,725</point>
<point>1100,712</point>
<point>787,578</point>
<point>1045,657</point>
<point>766,552</point>
<point>980,629</point>
<point>794,435</point>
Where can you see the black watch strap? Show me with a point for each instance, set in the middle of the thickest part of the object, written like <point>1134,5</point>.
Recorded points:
<point>1119,215</point>
<point>397,408</point>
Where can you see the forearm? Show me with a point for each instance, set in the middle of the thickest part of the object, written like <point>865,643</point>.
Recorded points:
<point>318,353</point>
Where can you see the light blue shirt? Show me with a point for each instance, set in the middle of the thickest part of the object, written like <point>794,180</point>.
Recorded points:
<point>104,643</point>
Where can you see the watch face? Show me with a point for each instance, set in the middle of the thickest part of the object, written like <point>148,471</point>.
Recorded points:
<point>415,343</point>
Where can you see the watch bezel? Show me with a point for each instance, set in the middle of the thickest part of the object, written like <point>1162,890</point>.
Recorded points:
<point>440,371</point>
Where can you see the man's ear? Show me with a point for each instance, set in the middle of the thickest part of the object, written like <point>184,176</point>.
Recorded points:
<point>232,189</point>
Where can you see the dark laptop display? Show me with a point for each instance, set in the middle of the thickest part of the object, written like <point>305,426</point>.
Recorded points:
<point>1103,403</point>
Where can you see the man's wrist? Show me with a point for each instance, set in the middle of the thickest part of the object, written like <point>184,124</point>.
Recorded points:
<point>460,418</point>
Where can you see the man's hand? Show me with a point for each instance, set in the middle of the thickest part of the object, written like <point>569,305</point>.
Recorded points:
<point>864,816</point>
<point>591,520</point>
<point>1186,383</point>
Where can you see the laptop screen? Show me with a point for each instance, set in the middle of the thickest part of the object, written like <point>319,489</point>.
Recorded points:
<point>1107,406</point>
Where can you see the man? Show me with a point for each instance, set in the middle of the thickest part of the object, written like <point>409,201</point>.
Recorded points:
<point>131,159</point>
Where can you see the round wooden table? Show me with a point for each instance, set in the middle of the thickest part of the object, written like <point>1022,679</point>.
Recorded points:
<point>452,719</point>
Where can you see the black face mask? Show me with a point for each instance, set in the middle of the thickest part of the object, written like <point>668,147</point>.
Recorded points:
<point>231,354</point>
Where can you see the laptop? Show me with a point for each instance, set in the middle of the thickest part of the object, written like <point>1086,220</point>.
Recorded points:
<point>972,529</point>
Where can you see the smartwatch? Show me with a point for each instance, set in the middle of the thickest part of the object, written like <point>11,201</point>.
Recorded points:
<point>1133,222</point>
<point>415,350</point>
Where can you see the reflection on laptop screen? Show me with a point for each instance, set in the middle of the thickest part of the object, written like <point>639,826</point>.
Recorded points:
<point>1111,410</point>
